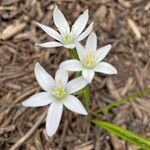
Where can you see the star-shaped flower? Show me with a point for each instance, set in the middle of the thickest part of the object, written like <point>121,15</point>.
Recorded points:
<point>90,59</point>
<point>58,92</point>
<point>67,37</point>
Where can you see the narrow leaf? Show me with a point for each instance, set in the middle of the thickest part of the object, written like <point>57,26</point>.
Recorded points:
<point>125,134</point>
<point>130,97</point>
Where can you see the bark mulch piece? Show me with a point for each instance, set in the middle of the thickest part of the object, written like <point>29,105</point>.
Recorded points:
<point>125,24</point>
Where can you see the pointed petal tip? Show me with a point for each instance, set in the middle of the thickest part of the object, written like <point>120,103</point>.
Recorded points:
<point>24,104</point>
<point>50,134</point>
<point>86,32</point>
<point>55,7</point>
<point>92,24</point>
<point>37,23</point>
<point>87,12</point>
<point>115,71</point>
<point>38,44</point>
<point>85,113</point>
<point>109,45</point>
<point>37,65</point>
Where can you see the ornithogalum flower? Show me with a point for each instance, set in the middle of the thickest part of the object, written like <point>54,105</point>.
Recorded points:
<point>57,93</point>
<point>90,59</point>
<point>66,36</point>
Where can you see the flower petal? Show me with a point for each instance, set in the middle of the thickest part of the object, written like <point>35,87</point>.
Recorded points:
<point>88,75</point>
<point>49,44</point>
<point>102,52</point>
<point>106,68</point>
<point>76,85</point>
<point>71,65</point>
<point>53,117</point>
<point>80,24</point>
<point>73,104</point>
<point>60,21</point>
<point>69,46</point>
<point>91,43</point>
<point>81,51</point>
<point>44,79</point>
<point>51,32</point>
<point>61,76</point>
<point>86,32</point>
<point>38,100</point>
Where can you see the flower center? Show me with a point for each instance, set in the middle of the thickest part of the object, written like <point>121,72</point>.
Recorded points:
<point>89,60</point>
<point>59,92</point>
<point>67,38</point>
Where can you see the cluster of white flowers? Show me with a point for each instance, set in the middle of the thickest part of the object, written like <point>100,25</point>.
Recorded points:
<point>59,91</point>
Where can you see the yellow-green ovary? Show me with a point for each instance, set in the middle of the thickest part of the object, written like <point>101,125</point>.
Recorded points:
<point>59,92</point>
<point>67,38</point>
<point>89,60</point>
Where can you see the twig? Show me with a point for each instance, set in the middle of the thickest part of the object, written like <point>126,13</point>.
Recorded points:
<point>7,129</point>
<point>134,28</point>
<point>11,30</point>
<point>127,86</point>
<point>29,133</point>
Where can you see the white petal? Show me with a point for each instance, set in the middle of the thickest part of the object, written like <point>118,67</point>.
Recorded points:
<point>60,21</point>
<point>71,65</point>
<point>69,46</point>
<point>49,44</point>
<point>88,74</point>
<point>38,100</point>
<point>106,68</point>
<point>81,51</point>
<point>51,32</point>
<point>73,104</point>
<point>91,43</point>
<point>61,76</point>
<point>44,79</point>
<point>102,52</point>
<point>76,85</point>
<point>80,24</point>
<point>86,32</point>
<point>53,117</point>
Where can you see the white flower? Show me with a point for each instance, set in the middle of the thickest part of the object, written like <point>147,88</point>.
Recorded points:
<point>58,92</point>
<point>90,59</point>
<point>67,37</point>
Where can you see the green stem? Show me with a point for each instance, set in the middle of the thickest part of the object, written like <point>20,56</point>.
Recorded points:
<point>86,90</point>
<point>73,53</point>
<point>86,96</point>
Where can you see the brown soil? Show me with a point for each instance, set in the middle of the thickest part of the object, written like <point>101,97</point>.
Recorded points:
<point>123,23</point>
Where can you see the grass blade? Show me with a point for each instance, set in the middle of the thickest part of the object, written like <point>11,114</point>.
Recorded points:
<point>125,134</point>
<point>123,100</point>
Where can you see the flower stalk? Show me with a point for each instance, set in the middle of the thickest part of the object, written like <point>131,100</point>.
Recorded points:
<point>85,92</point>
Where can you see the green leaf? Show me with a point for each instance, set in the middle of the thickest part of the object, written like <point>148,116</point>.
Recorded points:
<point>125,134</point>
<point>123,100</point>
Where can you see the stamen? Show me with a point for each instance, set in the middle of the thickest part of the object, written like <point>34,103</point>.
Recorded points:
<point>59,92</point>
<point>67,38</point>
<point>89,60</point>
